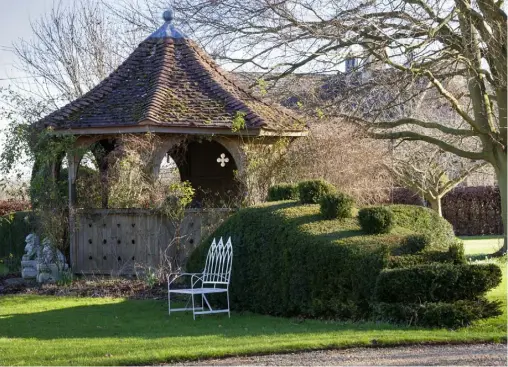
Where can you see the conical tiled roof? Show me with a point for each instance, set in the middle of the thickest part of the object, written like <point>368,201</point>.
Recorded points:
<point>170,83</point>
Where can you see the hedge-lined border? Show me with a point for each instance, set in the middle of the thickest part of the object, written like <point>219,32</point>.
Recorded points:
<point>473,211</point>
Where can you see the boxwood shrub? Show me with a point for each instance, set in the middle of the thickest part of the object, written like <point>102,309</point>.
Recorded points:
<point>283,192</point>
<point>439,314</point>
<point>425,221</point>
<point>415,243</point>
<point>377,219</point>
<point>454,255</point>
<point>436,283</point>
<point>337,205</point>
<point>312,191</point>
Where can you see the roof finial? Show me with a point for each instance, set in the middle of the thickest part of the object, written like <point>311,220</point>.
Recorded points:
<point>168,15</point>
<point>168,30</point>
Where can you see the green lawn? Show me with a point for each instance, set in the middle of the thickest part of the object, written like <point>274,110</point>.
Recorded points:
<point>484,245</point>
<point>3,269</point>
<point>37,330</point>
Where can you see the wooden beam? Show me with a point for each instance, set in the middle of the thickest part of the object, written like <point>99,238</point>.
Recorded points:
<point>116,130</point>
<point>72,169</point>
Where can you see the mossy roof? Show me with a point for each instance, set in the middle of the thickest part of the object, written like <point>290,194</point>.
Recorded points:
<point>172,82</point>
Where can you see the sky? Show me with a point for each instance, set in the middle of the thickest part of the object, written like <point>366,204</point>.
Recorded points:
<point>15,24</point>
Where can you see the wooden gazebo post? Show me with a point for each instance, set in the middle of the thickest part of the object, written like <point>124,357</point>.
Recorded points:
<point>72,171</point>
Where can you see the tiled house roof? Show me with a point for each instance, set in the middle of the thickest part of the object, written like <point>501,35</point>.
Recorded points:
<point>170,82</point>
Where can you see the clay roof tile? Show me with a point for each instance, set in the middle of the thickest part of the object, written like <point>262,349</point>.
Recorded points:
<point>172,82</point>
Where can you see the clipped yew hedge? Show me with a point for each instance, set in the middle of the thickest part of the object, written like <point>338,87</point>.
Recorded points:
<point>436,283</point>
<point>401,259</point>
<point>312,191</point>
<point>288,261</point>
<point>336,205</point>
<point>377,219</point>
<point>472,210</point>
<point>437,295</point>
<point>283,192</point>
<point>438,314</point>
<point>425,221</point>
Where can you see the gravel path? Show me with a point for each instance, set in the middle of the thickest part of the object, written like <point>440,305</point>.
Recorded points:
<point>423,355</point>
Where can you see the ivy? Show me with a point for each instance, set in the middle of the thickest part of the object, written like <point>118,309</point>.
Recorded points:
<point>238,122</point>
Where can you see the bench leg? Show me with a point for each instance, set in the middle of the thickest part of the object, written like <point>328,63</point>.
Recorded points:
<point>193,308</point>
<point>229,313</point>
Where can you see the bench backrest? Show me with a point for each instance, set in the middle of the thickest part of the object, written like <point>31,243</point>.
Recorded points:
<point>218,263</point>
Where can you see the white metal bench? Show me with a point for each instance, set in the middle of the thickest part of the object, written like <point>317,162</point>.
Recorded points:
<point>214,279</point>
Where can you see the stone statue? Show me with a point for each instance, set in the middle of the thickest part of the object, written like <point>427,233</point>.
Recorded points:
<point>29,259</point>
<point>43,263</point>
<point>51,255</point>
<point>32,247</point>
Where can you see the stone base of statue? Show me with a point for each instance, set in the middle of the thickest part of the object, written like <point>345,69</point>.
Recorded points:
<point>43,263</point>
<point>29,269</point>
<point>50,272</point>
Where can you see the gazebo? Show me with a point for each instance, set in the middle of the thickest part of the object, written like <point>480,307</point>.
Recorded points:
<point>169,87</point>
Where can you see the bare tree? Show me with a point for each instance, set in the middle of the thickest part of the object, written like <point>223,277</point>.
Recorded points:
<point>337,153</point>
<point>72,48</point>
<point>430,172</point>
<point>417,43</point>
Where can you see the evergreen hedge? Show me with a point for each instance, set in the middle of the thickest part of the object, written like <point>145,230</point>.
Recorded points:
<point>436,283</point>
<point>425,221</point>
<point>283,192</point>
<point>333,206</point>
<point>377,219</point>
<point>311,192</point>
<point>454,255</point>
<point>289,262</point>
<point>438,314</point>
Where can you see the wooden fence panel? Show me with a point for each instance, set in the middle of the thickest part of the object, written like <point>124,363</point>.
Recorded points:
<point>125,241</point>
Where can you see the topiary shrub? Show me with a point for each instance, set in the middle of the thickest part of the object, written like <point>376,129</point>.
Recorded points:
<point>454,255</point>
<point>333,206</point>
<point>456,252</point>
<point>450,315</point>
<point>413,244</point>
<point>290,262</point>
<point>425,221</point>
<point>375,220</point>
<point>436,283</point>
<point>312,191</point>
<point>437,295</point>
<point>284,265</point>
<point>283,192</point>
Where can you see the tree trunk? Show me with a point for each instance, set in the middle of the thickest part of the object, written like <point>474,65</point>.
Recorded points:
<point>501,173</point>
<point>435,204</point>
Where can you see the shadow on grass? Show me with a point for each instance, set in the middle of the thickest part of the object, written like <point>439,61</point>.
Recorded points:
<point>149,319</point>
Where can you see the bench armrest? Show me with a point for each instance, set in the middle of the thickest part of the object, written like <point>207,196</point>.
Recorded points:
<point>197,276</point>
